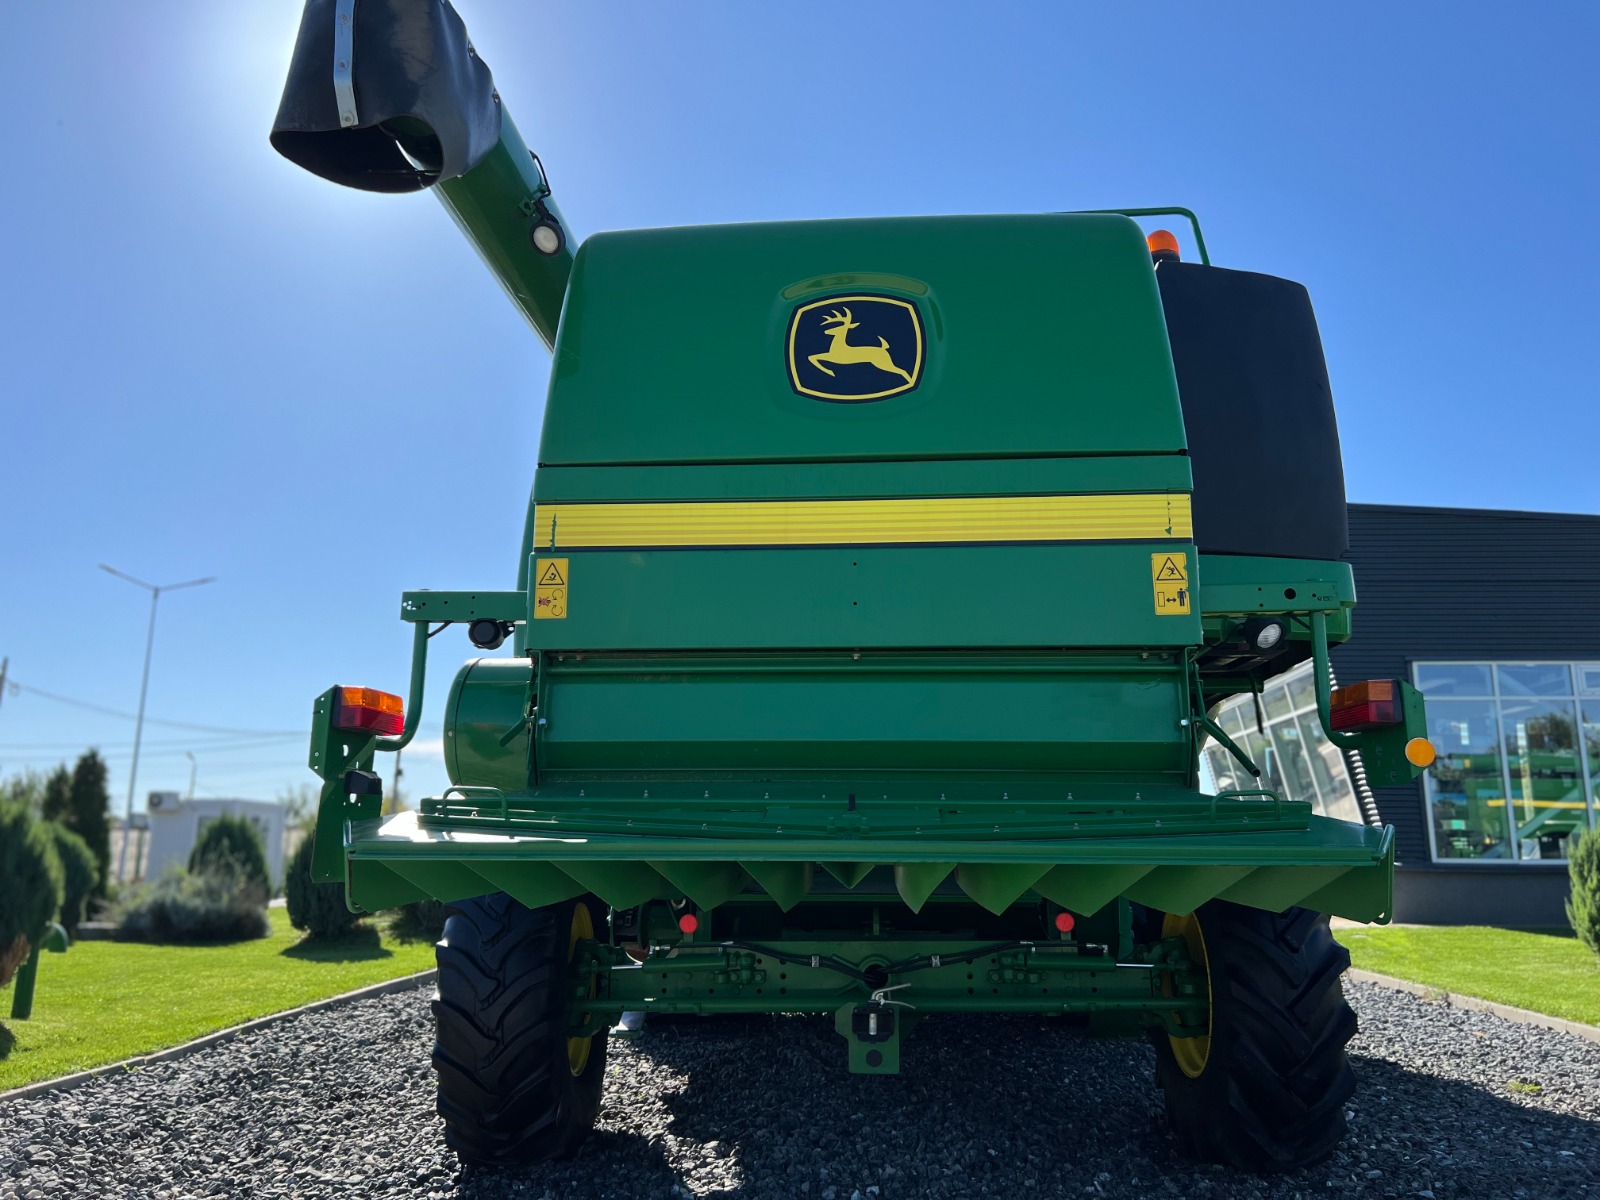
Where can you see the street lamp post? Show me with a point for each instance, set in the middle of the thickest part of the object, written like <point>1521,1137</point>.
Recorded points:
<point>155,591</point>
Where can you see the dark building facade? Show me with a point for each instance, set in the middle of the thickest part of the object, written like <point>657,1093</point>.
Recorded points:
<point>1495,616</point>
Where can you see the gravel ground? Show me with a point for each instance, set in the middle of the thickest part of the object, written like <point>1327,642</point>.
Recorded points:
<point>339,1104</point>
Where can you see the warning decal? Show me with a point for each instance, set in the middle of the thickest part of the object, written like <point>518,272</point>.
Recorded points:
<point>1169,576</point>
<point>550,589</point>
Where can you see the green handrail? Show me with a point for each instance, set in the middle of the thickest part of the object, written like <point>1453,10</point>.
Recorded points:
<point>1320,672</point>
<point>419,671</point>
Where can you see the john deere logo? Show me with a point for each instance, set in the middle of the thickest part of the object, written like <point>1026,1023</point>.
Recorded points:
<point>852,348</point>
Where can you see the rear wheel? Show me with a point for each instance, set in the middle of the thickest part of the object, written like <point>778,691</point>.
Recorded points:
<point>513,1086</point>
<point>1263,1088</point>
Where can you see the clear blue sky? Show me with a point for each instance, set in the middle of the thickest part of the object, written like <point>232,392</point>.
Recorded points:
<point>217,365</point>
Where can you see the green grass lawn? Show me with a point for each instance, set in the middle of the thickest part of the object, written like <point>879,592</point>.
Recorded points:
<point>101,1002</point>
<point>1548,971</point>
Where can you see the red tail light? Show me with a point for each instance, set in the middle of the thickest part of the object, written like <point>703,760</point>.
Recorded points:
<point>1366,705</point>
<point>367,710</point>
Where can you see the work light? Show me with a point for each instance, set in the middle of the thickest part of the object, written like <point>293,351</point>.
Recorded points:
<point>1265,634</point>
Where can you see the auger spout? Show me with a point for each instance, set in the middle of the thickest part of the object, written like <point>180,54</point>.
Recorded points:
<point>390,96</point>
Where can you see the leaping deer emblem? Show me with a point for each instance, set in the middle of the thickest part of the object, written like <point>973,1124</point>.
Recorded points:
<point>841,352</point>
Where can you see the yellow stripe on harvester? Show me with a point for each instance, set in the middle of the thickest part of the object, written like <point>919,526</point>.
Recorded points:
<point>951,519</point>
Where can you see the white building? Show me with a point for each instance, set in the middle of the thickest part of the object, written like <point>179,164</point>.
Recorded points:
<point>175,824</point>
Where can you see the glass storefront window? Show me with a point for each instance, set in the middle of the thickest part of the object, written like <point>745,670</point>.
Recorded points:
<point>1519,761</point>
<point>1534,679</point>
<point>1541,738</point>
<point>1302,692</point>
<point>1466,786</point>
<point>1296,760</point>
<point>1327,765</point>
<point>1275,699</point>
<point>1454,679</point>
<point>1232,721</point>
<point>1589,729</point>
<point>1294,764</point>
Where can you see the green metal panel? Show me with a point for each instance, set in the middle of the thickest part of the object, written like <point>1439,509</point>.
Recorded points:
<point>1276,888</point>
<point>1078,595</point>
<point>1357,895</point>
<point>1182,890</point>
<point>1087,889</point>
<point>444,879</point>
<point>916,881</point>
<point>1172,873</point>
<point>997,886</point>
<point>534,884</point>
<point>373,887</point>
<point>786,882</point>
<point>848,873</point>
<point>1012,476</point>
<point>707,884</point>
<point>845,713</point>
<point>463,606</point>
<point>1044,334</point>
<point>621,884</point>
<point>1233,583</point>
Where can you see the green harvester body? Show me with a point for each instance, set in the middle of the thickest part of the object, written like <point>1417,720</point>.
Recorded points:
<point>861,619</point>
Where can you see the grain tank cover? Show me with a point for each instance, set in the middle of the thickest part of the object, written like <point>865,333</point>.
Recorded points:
<point>1263,440</point>
<point>920,338</point>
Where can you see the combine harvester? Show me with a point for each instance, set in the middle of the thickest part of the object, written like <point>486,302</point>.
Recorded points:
<point>861,660</point>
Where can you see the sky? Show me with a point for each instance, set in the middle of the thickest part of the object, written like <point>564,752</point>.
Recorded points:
<point>217,365</point>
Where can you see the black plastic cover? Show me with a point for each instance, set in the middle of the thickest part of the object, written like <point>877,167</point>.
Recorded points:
<point>1263,442</point>
<point>411,64</point>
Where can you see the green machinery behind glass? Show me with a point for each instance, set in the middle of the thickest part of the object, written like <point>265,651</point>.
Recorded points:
<point>878,584</point>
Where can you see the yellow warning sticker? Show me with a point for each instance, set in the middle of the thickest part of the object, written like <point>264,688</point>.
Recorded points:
<point>550,576</point>
<point>1169,576</point>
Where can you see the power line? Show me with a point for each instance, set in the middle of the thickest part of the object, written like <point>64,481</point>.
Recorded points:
<point>45,752</point>
<point>127,716</point>
<point>203,743</point>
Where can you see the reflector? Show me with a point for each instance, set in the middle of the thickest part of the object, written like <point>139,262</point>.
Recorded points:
<point>367,710</point>
<point>1420,752</point>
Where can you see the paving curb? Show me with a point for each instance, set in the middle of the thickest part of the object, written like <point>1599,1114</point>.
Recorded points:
<point>68,1082</point>
<point>1521,1016</point>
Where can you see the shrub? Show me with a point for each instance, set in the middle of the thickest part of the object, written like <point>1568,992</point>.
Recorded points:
<point>219,904</point>
<point>234,840</point>
<point>419,921</point>
<point>79,800</point>
<point>1583,906</point>
<point>82,874</point>
<point>317,908</point>
<point>91,806</point>
<point>31,885</point>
